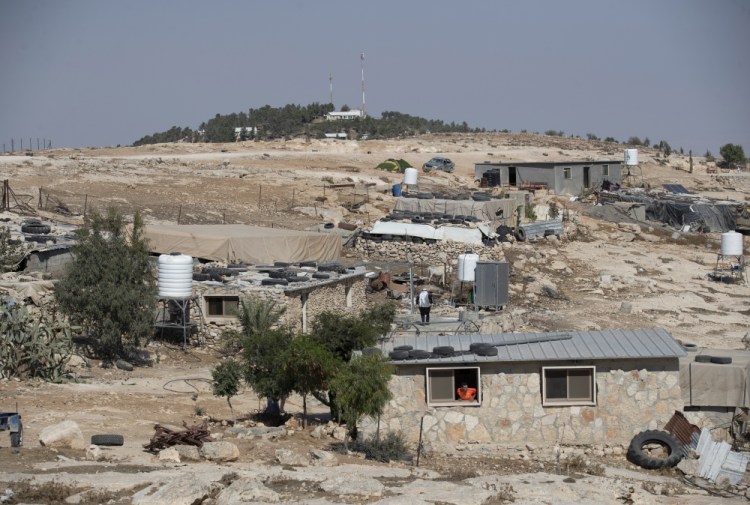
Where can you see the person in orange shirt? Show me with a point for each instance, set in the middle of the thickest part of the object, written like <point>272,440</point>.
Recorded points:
<point>466,393</point>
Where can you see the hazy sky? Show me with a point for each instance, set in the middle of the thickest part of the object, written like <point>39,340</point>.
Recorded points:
<point>98,73</point>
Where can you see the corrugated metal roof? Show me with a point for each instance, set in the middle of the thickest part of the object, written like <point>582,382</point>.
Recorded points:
<point>557,346</point>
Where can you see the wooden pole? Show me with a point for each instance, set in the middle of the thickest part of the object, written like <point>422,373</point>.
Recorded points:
<point>85,204</point>
<point>39,205</point>
<point>179,214</point>
<point>293,197</point>
<point>260,193</point>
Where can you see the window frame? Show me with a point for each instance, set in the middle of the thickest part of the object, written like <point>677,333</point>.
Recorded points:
<point>224,298</point>
<point>568,402</point>
<point>567,173</point>
<point>477,402</point>
<point>605,170</point>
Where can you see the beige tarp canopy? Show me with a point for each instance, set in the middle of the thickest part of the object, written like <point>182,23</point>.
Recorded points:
<point>242,243</point>
<point>491,210</point>
<point>715,385</point>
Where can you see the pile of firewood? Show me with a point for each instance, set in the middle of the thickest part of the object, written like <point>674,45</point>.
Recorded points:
<point>165,437</point>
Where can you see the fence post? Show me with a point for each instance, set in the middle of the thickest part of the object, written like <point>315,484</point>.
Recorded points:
<point>293,196</point>
<point>39,205</point>
<point>179,214</point>
<point>85,204</point>
<point>260,194</point>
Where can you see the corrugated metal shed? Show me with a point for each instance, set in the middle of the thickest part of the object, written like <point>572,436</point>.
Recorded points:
<point>557,346</point>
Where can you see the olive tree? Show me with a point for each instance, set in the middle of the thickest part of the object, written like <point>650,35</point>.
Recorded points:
<point>108,288</point>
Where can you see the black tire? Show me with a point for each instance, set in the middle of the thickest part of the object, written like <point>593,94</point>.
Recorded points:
<point>486,351</point>
<point>703,358</point>
<point>403,348</point>
<point>278,274</point>
<point>309,264</point>
<point>479,345</point>
<point>690,347</point>
<point>425,196</point>
<point>82,340</point>
<point>419,354</point>
<point>721,360</point>
<point>201,277</point>
<point>124,365</point>
<point>298,278</point>
<point>386,238</point>
<point>281,264</point>
<point>637,455</point>
<point>36,229</point>
<point>521,234</point>
<point>16,439</point>
<point>328,226</point>
<point>443,350</point>
<point>40,239</point>
<point>398,355</point>
<point>370,351</point>
<point>274,282</point>
<point>329,267</point>
<point>321,275</point>
<point>111,440</point>
<point>481,197</point>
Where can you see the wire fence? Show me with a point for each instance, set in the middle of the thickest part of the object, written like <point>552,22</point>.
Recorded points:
<point>269,209</point>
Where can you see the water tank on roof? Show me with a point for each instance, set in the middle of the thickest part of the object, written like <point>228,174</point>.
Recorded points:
<point>467,263</point>
<point>175,276</point>
<point>731,243</point>
<point>631,157</point>
<point>410,176</point>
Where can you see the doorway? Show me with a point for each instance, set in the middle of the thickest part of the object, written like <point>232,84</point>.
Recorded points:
<point>511,176</point>
<point>586,177</point>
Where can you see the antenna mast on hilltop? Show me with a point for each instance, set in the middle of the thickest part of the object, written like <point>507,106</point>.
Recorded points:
<point>364,110</point>
<point>330,83</point>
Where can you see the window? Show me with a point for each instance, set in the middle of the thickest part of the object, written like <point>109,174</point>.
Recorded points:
<point>222,306</point>
<point>568,385</point>
<point>443,383</point>
<point>605,170</point>
<point>566,173</point>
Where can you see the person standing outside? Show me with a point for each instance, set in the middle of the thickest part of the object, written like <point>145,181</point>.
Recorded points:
<point>424,301</point>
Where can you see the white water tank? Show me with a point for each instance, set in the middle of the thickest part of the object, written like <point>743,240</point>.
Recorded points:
<point>467,263</point>
<point>631,157</point>
<point>410,176</point>
<point>731,243</point>
<point>175,276</point>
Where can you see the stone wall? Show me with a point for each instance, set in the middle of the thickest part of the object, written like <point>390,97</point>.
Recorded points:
<point>630,399</point>
<point>424,255</point>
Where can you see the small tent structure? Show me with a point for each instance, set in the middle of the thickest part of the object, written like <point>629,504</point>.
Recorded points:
<point>243,243</point>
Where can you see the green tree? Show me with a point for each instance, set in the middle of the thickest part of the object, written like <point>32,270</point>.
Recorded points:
<point>733,154</point>
<point>310,367</point>
<point>226,380</point>
<point>634,141</point>
<point>361,389</point>
<point>108,288</point>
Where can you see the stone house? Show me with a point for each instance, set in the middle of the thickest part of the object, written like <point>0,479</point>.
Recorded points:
<point>569,388</point>
<point>342,293</point>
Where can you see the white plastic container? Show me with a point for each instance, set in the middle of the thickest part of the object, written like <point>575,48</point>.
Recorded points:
<point>175,276</point>
<point>410,176</point>
<point>731,243</point>
<point>467,264</point>
<point>631,157</point>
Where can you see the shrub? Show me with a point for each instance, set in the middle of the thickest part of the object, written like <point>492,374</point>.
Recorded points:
<point>226,382</point>
<point>554,210</point>
<point>530,212</point>
<point>390,448</point>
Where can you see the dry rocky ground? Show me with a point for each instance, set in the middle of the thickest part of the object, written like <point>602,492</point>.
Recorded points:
<point>606,272</point>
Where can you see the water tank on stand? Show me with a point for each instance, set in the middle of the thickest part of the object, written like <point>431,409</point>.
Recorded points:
<point>731,244</point>
<point>467,263</point>
<point>175,276</point>
<point>631,157</point>
<point>410,176</point>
